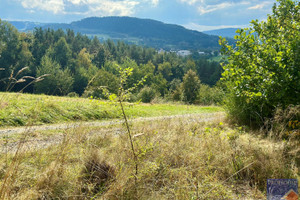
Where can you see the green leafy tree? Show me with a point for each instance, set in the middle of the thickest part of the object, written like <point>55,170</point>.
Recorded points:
<point>102,79</point>
<point>24,59</point>
<point>159,83</point>
<point>147,94</point>
<point>263,69</point>
<point>9,48</point>
<point>59,82</point>
<point>62,52</point>
<point>83,76</point>
<point>84,59</point>
<point>190,65</point>
<point>111,47</point>
<point>100,57</point>
<point>84,71</point>
<point>209,95</point>
<point>190,86</point>
<point>175,91</point>
<point>166,70</point>
<point>95,45</point>
<point>42,40</point>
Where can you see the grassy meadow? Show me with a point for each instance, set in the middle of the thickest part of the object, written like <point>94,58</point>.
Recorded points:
<point>175,158</point>
<point>17,109</point>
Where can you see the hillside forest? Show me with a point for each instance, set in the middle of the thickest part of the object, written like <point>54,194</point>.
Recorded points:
<point>73,64</point>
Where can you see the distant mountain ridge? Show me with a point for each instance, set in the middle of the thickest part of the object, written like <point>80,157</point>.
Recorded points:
<point>143,31</point>
<point>26,25</point>
<point>224,32</point>
<point>138,31</point>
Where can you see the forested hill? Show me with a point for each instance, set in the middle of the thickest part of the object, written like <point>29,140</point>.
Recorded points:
<point>57,62</point>
<point>144,32</point>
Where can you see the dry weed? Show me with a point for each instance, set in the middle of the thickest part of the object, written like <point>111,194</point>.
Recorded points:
<point>178,159</point>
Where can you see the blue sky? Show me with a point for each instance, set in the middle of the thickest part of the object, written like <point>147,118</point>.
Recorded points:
<point>194,14</point>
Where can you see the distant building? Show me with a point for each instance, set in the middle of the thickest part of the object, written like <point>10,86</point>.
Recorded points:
<point>183,53</point>
<point>201,52</point>
<point>161,51</point>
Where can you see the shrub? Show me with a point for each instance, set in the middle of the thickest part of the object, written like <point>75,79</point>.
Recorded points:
<point>95,92</point>
<point>147,94</point>
<point>73,94</point>
<point>209,95</point>
<point>263,69</point>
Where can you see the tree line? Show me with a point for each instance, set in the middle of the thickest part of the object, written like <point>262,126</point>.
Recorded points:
<point>75,64</point>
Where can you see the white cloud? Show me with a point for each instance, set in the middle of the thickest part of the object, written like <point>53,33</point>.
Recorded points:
<point>155,2</point>
<point>94,7</point>
<point>191,2</point>
<point>107,7</point>
<point>75,2</point>
<point>55,6</point>
<point>259,6</point>
<point>207,6</point>
<point>245,3</point>
<point>210,8</point>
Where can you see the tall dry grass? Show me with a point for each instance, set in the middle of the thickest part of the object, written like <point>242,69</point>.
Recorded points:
<point>10,169</point>
<point>177,159</point>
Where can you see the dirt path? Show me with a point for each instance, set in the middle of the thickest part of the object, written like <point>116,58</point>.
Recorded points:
<point>14,130</point>
<point>33,143</point>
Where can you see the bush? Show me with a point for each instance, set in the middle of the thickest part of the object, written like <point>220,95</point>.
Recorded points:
<point>95,92</point>
<point>209,95</point>
<point>147,94</point>
<point>73,94</point>
<point>263,69</point>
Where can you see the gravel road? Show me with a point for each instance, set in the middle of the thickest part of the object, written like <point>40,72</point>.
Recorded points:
<point>34,143</point>
<point>197,117</point>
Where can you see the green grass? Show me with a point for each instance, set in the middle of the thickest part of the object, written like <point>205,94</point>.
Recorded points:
<point>27,109</point>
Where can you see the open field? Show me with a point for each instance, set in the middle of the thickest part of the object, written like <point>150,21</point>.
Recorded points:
<point>182,152</point>
<point>26,109</point>
<point>178,158</point>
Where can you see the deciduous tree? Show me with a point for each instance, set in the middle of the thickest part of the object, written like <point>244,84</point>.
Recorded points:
<point>190,86</point>
<point>263,70</point>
